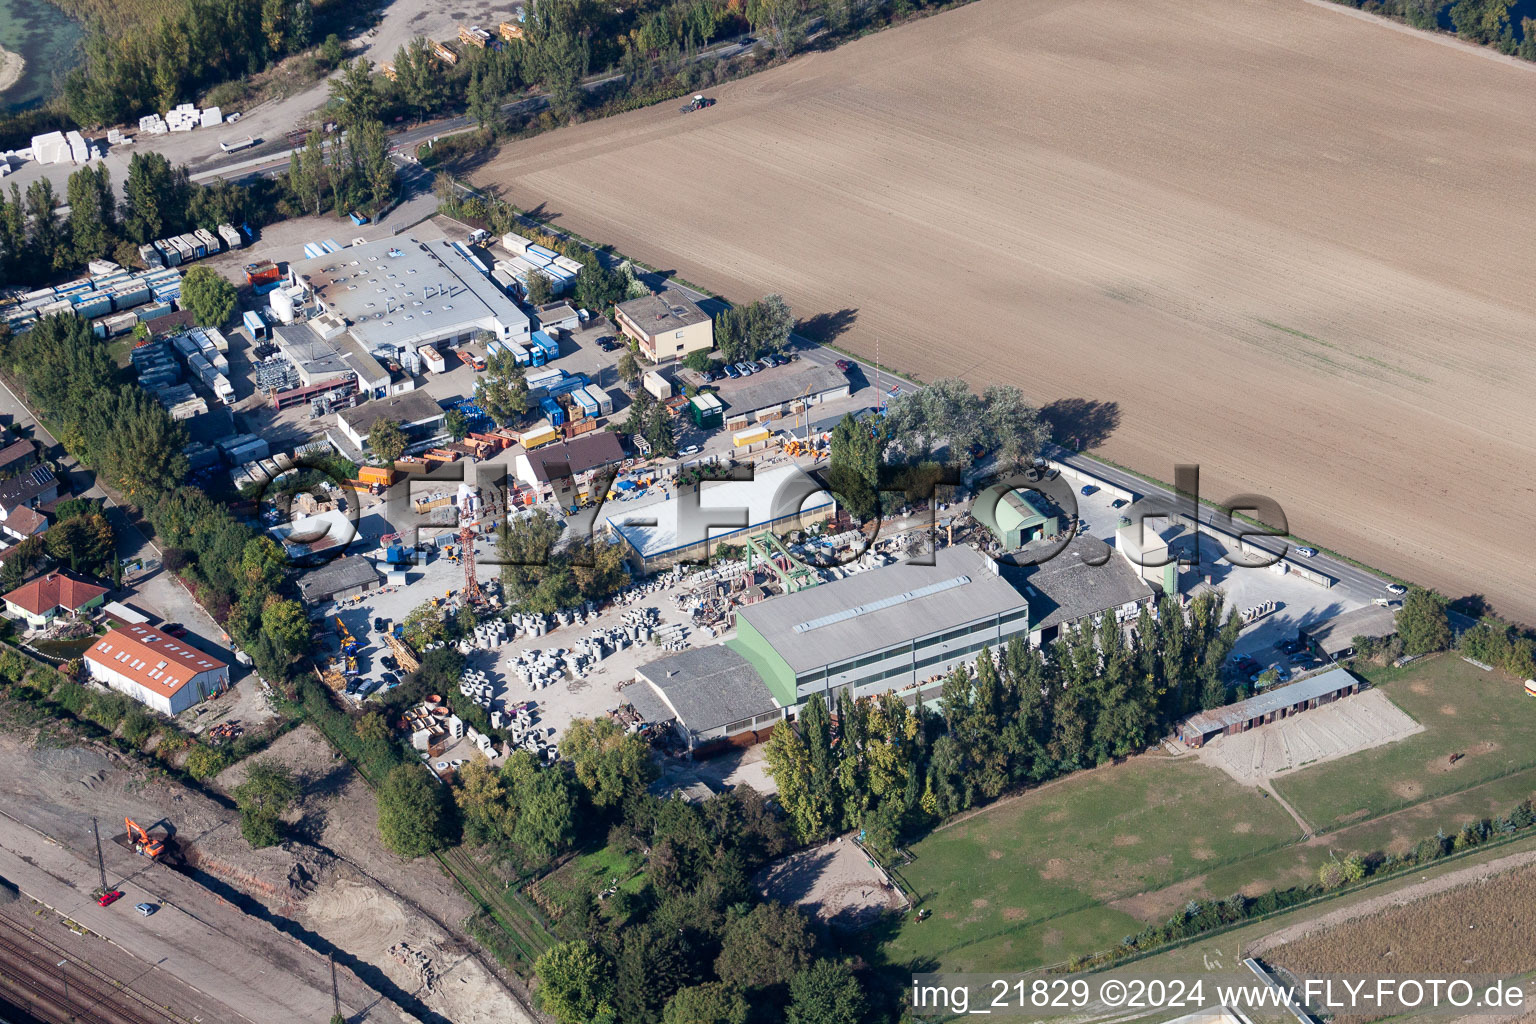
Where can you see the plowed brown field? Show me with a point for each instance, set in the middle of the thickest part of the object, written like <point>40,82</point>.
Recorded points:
<point>1293,246</point>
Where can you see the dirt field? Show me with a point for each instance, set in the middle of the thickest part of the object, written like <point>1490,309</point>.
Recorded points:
<point>834,883</point>
<point>1360,722</point>
<point>1287,244</point>
<point>1481,928</point>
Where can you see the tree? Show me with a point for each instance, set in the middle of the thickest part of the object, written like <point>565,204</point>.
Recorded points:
<point>765,947</point>
<point>825,993</point>
<point>416,76</point>
<point>84,543</point>
<point>412,818</point>
<point>561,54</point>
<point>540,289</point>
<point>266,793</point>
<point>524,548</point>
<point>575,984</point>
<point>502,390</point>
<point>712,1003</point>
<point>355,94</point>
<point>486,89</point>
<point>610,763</point>
<point>423,626</point>
<point>456,424</point>
<point>50,248</point>
<point>629,368</point>
<point>376,172</point>
<point>854,467</point>
<point>1011,425</point>
<point>92,212</point>
<point>210,296</point>
<point>286,626</point>
<point>779,22</point>
<point>546,808</point>
<point>306,172</point>
<point>156,197</point>
<point>387,440</point>
<point>698,360</point>
<point>1422,622</point>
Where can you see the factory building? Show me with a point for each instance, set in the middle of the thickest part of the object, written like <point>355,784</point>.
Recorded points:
<point>396,296</point>
<point>900,628</point>
<point>1015,516</point>
<point>418,414</point>
<point>156,670</point>
<point>707,693</point>
<point>350,576</point>
<point>1083,581</point>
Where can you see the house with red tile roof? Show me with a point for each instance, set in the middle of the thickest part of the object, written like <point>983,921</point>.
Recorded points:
<point>48,597</point>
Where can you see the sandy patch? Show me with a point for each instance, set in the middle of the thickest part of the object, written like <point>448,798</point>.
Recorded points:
<point>1408,789</point>
<point>1055,870</point>
<point>1242,828</point>
<point>1124,840</point>
<point>11,67</point>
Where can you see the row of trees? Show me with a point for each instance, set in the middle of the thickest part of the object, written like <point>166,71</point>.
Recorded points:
<point>37,245</point>
<point>1018,719</point>
<point>756,329</point>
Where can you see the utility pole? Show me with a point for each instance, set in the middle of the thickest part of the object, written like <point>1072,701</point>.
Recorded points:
<point>335,995</point>
<point>101,863</point>
<point>63,973</point>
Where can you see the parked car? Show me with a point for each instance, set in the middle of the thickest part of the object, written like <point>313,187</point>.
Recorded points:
<point>843,365</point>
<point>766,363</point>
<point>692,449</point>
<point>1119,503</point>
<point>745,368</point>
<point>390,679</point>
<point>106,899</point>
<point>1282,674</point>
<point>732,372</point>
<point>174,629</point>
<point>778,359</point>
<point>379,625</point>
<point>1307,552</point>
<point>145,909</point>
<point>1396,588</point>
<point>1088,489</point>
<point>607,343</point>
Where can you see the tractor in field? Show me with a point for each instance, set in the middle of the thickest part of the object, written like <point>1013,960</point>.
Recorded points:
<point>699,102</point>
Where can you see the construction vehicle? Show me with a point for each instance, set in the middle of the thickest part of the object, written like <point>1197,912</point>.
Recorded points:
<point>349,644</point>
<point>699,102</point>
<point>142,842</point>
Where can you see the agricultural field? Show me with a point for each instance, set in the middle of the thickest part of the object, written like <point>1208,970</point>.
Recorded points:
<point>1240,234</point>
<point>1030,881</point>
<point>1478,727</point>
<point>1488,924</point>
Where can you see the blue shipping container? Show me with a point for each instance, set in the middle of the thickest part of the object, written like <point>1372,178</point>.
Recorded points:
<point>551,409</point>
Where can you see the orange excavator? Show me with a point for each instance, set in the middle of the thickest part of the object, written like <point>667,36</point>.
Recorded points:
<point>142,842</point>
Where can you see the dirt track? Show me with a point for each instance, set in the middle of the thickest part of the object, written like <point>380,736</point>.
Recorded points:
<point>1292,246</point>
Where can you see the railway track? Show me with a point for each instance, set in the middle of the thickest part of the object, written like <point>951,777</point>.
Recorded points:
<point>29,971</point>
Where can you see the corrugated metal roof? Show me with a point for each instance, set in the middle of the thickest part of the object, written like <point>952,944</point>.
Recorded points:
<point>1273,699</point>
<point>902,602</point>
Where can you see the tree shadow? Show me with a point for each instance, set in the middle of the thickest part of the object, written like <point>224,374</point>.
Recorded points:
<point>824,328</point>
<point>1081,423</point>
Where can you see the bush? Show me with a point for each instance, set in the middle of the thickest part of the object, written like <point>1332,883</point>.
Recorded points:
<point>204,762</point>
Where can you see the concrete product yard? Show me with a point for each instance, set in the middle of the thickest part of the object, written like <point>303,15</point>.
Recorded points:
<point>1355,723</point>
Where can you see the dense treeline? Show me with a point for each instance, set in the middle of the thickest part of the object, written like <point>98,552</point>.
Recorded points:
<point>1486,22</point>
<point>38,246</point>
<point>151,69</point>
<point>1098,693</point>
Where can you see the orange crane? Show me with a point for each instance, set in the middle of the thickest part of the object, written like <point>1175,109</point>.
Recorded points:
<point>142,842</point>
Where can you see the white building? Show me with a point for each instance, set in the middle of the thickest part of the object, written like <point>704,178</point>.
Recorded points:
<point>155,670</point>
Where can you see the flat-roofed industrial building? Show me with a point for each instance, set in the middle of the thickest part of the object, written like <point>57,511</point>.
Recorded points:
<point>901,627</point>
<point>397,294</point>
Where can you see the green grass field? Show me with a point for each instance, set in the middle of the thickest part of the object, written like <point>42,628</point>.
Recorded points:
<point>1029,882</point>
<point>1483,716</point>
<point>1073,867</point>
